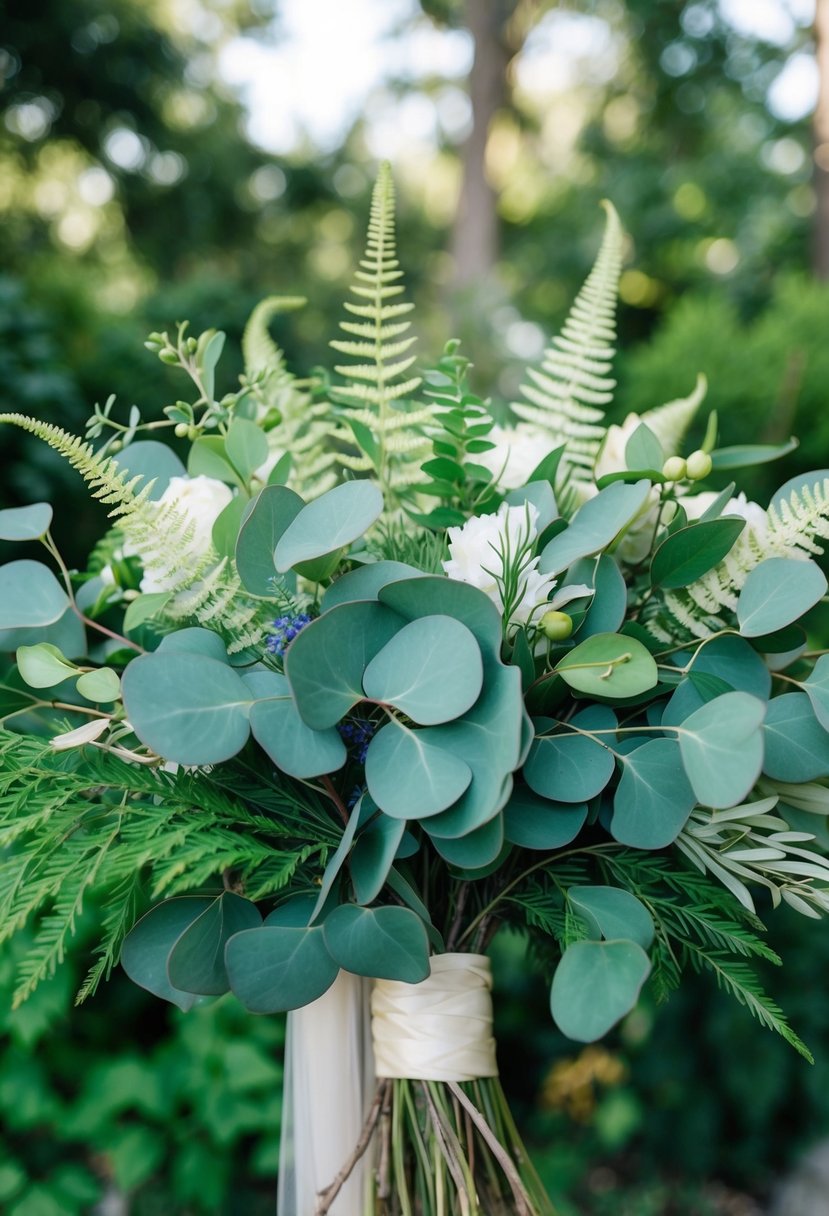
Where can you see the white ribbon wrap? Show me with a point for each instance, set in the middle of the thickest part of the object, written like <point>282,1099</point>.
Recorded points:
<point>440,1029</point>
<point>329,1083</point>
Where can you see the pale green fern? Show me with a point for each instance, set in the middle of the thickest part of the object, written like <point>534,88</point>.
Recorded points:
<point>567,395</point>
<point>305,425</point>
<point>371,396</point>
<point>670,422</point>
<point>203,588</point>
<point>790,529</point>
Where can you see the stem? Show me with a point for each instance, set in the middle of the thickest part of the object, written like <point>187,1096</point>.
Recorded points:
<point>336,799</point>
<point>522,1199</point>
<point>52,548</point>
<point>327,1197</point>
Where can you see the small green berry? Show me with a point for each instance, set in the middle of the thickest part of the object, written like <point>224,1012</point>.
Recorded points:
<point>181,430</point>
<point>699,465</point>
<point>192,432</point>
<point>674,469</point>
<point>116,445</point>
<point>557,626</point>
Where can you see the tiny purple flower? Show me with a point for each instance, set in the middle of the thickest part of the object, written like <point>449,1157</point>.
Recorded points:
<point>284,630</point>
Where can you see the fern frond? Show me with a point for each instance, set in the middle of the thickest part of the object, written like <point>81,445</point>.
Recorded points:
<point>203,588</point>
<point>567,396</point>
<point>793,528</point>
<point>670,422</point>
<point>259,351</point>
<point>373,389</point>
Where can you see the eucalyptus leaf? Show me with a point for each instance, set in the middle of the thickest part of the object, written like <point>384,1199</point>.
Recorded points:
<point>100,685</point>
<point>643,450</point>
<point>722,748</point>
<point>365,582</point>
<point>609,604</point>
<point>569,767</point>
<point>595,525</point>
<point>226,526</point>
<point>329,523</point>
<point>295,748</point>
<point>595,985</point>
<point>246,446</point>
<point>614,914</point>
<point>326,661</point>
<point>373,855</point>
<point>609,665</point>
<point>748,455</point>
<point>538,823</point>
<point>797,745</point>
<point>276,967</point>
<point>386,943</point>
<point>187,708</point>
<point>816,688</point>
<point>152,461</point>
<point>431,670</point>
<point>30,595</point>
<point>654,797</point>
<point>273,510</point>
<point>43,665</point>
<point>147,946</point>
<point>196,961</point>
<point>194,640</point>
<point>409,776</point>
<point>476,850</point>
<point>778,592</point>
<point>25,523</point>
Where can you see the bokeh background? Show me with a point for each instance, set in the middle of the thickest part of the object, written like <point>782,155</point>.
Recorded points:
<point>171,159</point>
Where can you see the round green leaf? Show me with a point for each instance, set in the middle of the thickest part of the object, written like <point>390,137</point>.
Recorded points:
<point>595,985</point>
<point>816,688</point>
<point>43,665</point>
<point>609,604</point>
<point>387,943</point>
<point>431,670</point>
<point>594,525</point>
<point>735,661</point>
<point>415,597</point>
<point>269,515</point>
<point>226,526</point>
<point>797,746</point>
<point>654,798</point>
<point>152,461</point>
<point>613,913</point>
<point>30,595</point>
<point>187,708</point>
<point>537,823</point>
<point>194,640</point>
<point>100,685</point>
<point>147,946</point>
<point>294,747</point>
<point>409,777</point>
<point>776,593</point>
<point>196,961</point>
<point>329,523</point>
<point>278,967</point>
<point>693,551</point>
<point>365,582</point>
<point>373,856</point>
<point>476,850</point>
<point>25,523</point>
<point>796,485</point>
<point>569,767</point>
<point>609,665</point>
<point>246,446</point>
<point>722,748</point>
<point>326,661</point>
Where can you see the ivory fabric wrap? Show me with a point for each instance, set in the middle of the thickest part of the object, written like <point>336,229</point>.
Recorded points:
<point>329,1084</point>
<point>440,1029</point>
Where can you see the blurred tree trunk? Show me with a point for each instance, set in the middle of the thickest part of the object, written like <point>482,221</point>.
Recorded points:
<point>821,134</point>
<point>475,243</point>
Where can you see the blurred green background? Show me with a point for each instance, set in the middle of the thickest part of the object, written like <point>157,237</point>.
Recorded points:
<point>171,159</point>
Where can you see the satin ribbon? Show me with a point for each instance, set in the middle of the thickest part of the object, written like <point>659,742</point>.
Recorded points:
<point>440,1029</point>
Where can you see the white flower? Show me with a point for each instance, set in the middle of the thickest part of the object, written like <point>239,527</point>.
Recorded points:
<point>517,452</point>
<point>200,500</point>
<point>477,551</point>
<point>611,458</point>
<point>695,505</point>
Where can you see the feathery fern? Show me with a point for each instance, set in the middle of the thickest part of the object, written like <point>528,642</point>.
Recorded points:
<point>371,397</point>
<point>170,834</point>
<point>670,422</point>
<point>305,425</point>
<point>566,396</point>
<point>204,588</point>
<point>791,529</point>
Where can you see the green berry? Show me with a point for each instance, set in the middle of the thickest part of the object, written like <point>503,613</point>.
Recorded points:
<point>699,465</point>
<point>557,626</point>
<point>674,469</point>
<point>181,430</point>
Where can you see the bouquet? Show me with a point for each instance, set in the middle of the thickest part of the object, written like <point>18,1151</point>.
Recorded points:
<point>359,676</point>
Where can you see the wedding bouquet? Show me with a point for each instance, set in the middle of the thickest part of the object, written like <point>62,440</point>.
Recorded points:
<point>367,677</point>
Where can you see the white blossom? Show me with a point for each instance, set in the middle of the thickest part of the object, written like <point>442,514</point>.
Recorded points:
<point>477,551</point>
<point>695,505</point>
<point>517,452</point>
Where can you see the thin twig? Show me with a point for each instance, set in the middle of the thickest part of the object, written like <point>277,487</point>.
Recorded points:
<point>336,799</point>
<point>460,905</point>
<point>522,1199</point>
<point>327,1197</point>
